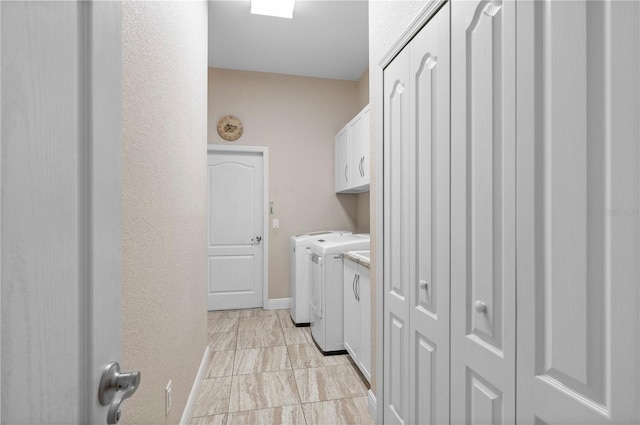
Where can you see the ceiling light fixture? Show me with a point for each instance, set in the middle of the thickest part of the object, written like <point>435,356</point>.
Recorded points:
<point>277,8</point>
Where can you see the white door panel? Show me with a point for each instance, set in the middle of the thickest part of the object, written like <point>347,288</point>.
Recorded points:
<point>343,171</point>
<point>363,290</point>
<point>235,223</point>
<point>396,236</point>
<point>429,246</point>
<point>351,310</point>
<point>483,212</point>
<point>578,161</point>
<point>61,198</point>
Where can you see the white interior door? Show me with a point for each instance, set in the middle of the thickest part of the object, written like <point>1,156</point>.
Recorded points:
<point>483,280</point>
<point>235,232</point>
<point>60,201</point>
<point>578,208</point>
<point>429,247</point>
<point>397,262</point>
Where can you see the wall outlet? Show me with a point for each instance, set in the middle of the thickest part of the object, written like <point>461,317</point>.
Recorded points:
<point>167,399</point>
<point>276,223</point>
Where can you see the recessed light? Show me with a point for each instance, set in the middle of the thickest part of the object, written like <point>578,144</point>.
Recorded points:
<point>277,8</point>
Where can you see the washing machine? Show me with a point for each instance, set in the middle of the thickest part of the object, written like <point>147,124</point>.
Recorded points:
<point>300,271</point>
<point>327,309</point>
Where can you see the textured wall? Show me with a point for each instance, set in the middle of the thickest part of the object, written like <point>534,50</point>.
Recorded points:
<point>364,225</point>
<point>387,21</point>
<point>297,118</point>
<point>164,202</point>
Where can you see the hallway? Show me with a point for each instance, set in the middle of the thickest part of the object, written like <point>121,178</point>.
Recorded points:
<point>264,370</point>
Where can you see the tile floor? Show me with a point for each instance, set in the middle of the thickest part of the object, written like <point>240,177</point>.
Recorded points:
<point>264,370</point>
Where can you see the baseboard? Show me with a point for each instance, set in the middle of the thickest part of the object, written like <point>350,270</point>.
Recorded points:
<point>187,413</point>
<point>373,406</point>
<point>279,304</point>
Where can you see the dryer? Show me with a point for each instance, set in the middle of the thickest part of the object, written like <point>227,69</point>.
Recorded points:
<point>300,271</point>
<point>327,309</point>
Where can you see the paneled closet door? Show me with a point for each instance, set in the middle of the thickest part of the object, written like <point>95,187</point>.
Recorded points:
<point>578,212</point>
<point>483,280</point>
<point>396,239</point>
<point>429,205</point>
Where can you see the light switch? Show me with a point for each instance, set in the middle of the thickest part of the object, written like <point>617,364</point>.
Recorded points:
<point>276,223</point>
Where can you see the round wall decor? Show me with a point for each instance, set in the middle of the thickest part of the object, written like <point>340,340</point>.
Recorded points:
<point>230,128</point>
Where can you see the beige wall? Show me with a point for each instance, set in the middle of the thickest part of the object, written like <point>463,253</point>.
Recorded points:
<point>164,202</point>
<point>297,119</point>
<point>387,21</point>
<point>362,89</point>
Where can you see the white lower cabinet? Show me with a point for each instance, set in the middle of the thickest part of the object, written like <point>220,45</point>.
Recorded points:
<point>357,315</point>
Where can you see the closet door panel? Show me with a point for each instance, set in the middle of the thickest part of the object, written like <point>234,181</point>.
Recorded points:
<point>396,237</point>
<point>483,212</point>
<point>578,181</point>
<point>429,250</point>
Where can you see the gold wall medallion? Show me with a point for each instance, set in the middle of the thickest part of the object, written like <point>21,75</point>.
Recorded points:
<point>230,128</point>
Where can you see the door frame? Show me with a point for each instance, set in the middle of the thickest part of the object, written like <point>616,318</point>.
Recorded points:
<point>264,151</point>
<point>420,20</point>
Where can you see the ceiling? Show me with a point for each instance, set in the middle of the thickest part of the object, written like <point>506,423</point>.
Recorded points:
<point>325,39</point>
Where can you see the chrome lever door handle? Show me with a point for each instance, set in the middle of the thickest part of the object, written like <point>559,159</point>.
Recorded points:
<point>114,388</point>
<point>258,239</point>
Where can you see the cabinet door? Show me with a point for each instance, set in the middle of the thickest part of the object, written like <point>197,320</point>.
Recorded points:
<point>359,144</point>
<point>365,147</point>
<point>578,208</point>
<point>396,240</point>
<point>429,226</point>
<point>364,328</point>
<point>351,317</point>
<point>483,212</point>
<point>342,160</point>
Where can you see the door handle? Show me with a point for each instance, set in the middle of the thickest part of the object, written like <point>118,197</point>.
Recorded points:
<point>358,287</point>
<point>257,239</point>
<point>480,306</point>
<point>363,173</point>
<point>114,388</point>
<point>346,178</point>
<point>353,286</point>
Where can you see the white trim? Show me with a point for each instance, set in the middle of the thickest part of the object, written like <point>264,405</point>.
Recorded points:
<point>193,395</point>
<point>373,405</point>
<point>412,29</point>
<point>264,150</point>
<point>278,304</point>
<point>1,215</point>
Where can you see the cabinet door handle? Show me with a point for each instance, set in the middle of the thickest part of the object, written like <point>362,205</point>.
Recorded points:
<point>353,286</point>
<point>358,287</point>
<point>363,173</point>
<point>346,177</point>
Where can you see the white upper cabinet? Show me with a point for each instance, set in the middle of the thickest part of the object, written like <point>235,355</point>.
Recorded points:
<point>342,159</point>
<point>352,155</point>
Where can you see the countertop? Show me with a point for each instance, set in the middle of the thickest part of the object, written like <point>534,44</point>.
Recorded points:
<point>359,257</point>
